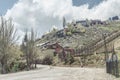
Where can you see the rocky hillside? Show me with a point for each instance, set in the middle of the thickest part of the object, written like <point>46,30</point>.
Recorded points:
<point>77,35</point>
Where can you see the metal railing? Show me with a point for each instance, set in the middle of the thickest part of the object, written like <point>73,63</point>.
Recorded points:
<point>91,48</point>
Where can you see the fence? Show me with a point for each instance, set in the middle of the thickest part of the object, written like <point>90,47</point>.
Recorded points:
<point>91,48</point>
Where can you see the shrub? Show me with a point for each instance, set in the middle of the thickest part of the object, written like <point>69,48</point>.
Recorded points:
<point>17,66</point>
<point>69,59</point>
<point>48,60</point>
<point>22,66</point>
<point>73,30</point>
<point>82,30</point>
<point>69,33</point>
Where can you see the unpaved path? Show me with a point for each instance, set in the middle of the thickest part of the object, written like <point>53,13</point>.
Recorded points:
<point>60,73</point>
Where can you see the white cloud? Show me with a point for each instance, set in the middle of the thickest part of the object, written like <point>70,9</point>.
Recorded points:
<point>43,14</point>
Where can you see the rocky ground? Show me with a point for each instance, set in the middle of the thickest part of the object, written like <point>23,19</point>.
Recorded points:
<point>60,73</point>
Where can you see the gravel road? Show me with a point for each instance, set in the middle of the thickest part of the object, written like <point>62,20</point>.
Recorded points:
<point>60,73</point>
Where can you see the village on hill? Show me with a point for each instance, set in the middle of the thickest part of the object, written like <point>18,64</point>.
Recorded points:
<point>81,43</point>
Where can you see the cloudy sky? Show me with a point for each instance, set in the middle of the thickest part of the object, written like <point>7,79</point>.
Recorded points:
<point>44,14</point>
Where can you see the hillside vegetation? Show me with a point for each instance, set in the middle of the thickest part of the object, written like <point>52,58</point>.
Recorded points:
<point>80,35</point>
<point>77,36</point>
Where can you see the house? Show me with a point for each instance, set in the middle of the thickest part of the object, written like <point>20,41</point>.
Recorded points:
<point>115,18</point>
<point>95,22</point>
<point>83,23</point>
<point>88,23</point>
<point>60,33</point>
<point>61,51</point>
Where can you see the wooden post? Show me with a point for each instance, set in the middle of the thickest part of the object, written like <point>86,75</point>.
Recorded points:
<point>105,46</point>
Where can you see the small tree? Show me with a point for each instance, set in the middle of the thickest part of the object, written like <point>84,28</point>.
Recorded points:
<point>29,49</point>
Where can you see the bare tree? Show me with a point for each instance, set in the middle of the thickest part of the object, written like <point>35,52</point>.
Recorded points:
<point>7,39</point>
<point>29,48</point>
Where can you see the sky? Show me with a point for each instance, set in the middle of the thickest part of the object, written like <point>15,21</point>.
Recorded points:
<point>42,15</point>
<point>5,5</point>
<point>91,3</point>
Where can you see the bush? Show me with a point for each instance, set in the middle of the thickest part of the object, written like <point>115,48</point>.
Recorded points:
<point>73,30</point>
<point>48,60</point>
<point>69,59</point>
<point>16,66</point>
<point>82,30</point>
<point>22,66</point>
<point>69,33</point>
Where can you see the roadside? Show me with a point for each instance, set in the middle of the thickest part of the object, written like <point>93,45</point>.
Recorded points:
<point>60,73</point>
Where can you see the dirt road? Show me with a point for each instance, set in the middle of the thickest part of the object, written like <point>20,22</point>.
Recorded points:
<point>60,73</point>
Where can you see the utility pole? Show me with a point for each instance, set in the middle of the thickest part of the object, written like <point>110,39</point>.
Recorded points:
<point>64,24</point>
<point>106,53</point>
<point>105,47</point>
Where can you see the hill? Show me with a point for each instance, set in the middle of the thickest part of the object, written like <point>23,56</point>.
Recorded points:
<point>79,35</point>
<point>77,39</point>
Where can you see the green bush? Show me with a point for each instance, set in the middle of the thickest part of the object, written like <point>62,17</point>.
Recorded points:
<point>48,60</point>
<point>22,66</point>
<point>15,67</point>
<point>73,30</point>
<point>69,33</point>
<point>82,30</point>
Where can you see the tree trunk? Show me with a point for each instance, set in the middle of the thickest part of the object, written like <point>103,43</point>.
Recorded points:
<point>4,65</point>
<point>27,61</point>
<point>35,64</point>
<point>3,70</point>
